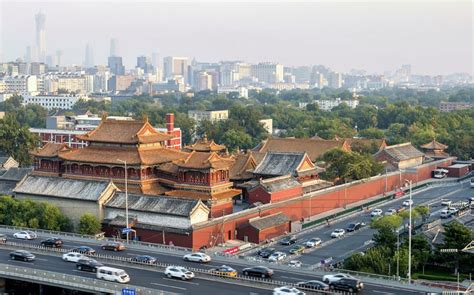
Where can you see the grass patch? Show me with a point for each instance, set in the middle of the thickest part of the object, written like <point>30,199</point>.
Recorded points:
<point>439,275</point>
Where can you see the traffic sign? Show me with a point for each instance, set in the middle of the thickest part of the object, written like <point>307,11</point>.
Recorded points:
<point>126,230</point>
<point>127,291</point>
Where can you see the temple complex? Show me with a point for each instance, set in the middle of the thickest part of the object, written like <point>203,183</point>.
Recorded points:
<point>434,149</point>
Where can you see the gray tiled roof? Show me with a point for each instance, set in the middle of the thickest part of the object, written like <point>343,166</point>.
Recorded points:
<point>278,163</point>
<point>403,152</point>
<point>269,221</point>
<point>62,187</point>
<point>15,174</point>
<point>3,159</point>
<point>6,187</point>
<point>277,184</point>
<point>155,204</point>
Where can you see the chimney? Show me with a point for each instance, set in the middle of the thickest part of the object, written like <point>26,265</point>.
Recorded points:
<point>169,122</point>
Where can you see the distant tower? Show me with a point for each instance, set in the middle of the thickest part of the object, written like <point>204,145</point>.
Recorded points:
<point>89,57</point>
<point>41,36</point>
<point>113,47</point>
<point>59,55</point>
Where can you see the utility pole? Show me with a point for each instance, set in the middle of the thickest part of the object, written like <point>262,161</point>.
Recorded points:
<point>409,236</point>
<point>398,254</point>
<point>126,198</point>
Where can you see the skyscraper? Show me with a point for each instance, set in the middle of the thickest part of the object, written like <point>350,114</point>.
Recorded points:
<point>144,63</point>
<point>116,65</point>
<point>41,36</point>
<point>175,66</point>
<point>114,47</point>
<point>89,57</point>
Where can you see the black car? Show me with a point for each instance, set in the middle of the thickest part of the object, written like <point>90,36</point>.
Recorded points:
<point>346,284</point>
<point>313,285</point>
<point>22,255</point>
<point>144,259</point>
<point>288,240</point>
<point>52,242</point>
<point>90,265</point>
<point>84,250</point>
<point>354,226</point>
<point>258,271</point>
<point>265,253</point>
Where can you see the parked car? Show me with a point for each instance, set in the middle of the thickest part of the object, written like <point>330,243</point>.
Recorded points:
<point>144,259</point>
<point>25,235</point>
<point>277,256</point>
<point>52,242</point>
<point>314,242</point>
<point>376,212</point>
<point>294,263</point>
<point>265,253</point>
<point>313,285</point>
<point>298,249</point>
<point>258,271</point>
<point>84,250</point>
<point>22,255</point>
<point>390,211</point>
<point>353,226</point>
<point>407,203</point>
<point>350,285</point>
<point>73,257</point>
<point>335,277</point>
<point>3,238</point>
<point>112,274</point>
<point>113,246</point>
<point>89,265</point>
<point>179,272</point>
<point>337,233</point>
<point>197,257</point>
<point>286,290</point>
<point>288,240</point>
<point>224,271</point>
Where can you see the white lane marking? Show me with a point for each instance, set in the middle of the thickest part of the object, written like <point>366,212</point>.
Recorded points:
<point>32,263</point>
<point>163,285</point>
<point>41,259</point>
<point>382,292</point>
<point>85,272</point>
<point>181,281</point>
<point>292,278</point>
<point>135,254</point>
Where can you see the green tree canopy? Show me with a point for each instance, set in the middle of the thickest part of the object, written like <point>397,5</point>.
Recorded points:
<point>89,224</point>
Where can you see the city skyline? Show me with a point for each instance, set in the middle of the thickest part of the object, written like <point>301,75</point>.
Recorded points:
<point>288,34</point>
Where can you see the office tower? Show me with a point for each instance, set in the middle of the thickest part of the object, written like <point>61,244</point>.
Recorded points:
<point>37,68</point>
<point>59,55</point>
<point>116,66</point>
<point>89,57</point>
<point>145,63</point>
<point>175,66</point>
<point>41,36</point>
<point>268,72</point>
<point>113,47</point>
<point>335,80</point>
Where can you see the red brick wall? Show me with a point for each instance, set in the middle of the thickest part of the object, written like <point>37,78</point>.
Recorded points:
<point>272,232</point>
<point>218,210</point>
<point>250,232</point>
<point>259,195</point>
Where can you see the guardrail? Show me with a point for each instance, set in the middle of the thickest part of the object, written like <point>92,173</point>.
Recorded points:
<point>70,281</point>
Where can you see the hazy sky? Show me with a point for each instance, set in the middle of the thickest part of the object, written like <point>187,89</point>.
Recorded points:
<point>435,37</point>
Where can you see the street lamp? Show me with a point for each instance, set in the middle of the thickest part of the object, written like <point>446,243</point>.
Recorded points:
<point>409,233</point>
<point>126,197</point>
<point>398,254</point>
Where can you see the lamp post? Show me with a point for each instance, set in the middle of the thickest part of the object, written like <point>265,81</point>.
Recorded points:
<point>409,233</point>
<point>398,254</point>
<point>126,196</point>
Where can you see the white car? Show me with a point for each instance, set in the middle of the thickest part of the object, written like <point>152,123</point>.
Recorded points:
<point>314,242</point>
<point>25,235</point>
<point>277,256</point>
<point>286,290</point>
<point>197,257</point>
<point>179,272</point>
<point>336,277</point>
<point>294,263</point>
<point>73,257</point>
<point>445,203</point>
<point>407,203</point>
<point>376,212</point>
<point>452,210</point>
<point>337,233</point>
<point>391,211</point>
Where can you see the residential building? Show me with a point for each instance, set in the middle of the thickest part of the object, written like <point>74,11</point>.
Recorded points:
<point>120,82</point>
<point>49,102</point>
<point>208,115</point>
<point>202,81</point>
<point>21,84</point>
<point>327,105</point>
<point>268,72</point>
<point>448,106</point>
<point>175,66</point>
<point>37,68</point>
<point>240,91</point>
<point>335,80</point>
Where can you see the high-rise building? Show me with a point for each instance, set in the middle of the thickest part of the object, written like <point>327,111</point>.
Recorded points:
<point>175,66</point>
<point>116,66</point>
<point>114,47</point>
<point>37,68</point>
<point>59,55</point>
<point>335,80</point>
<point>145,63</point>
<point>202,81</point>
<point>89,56</point>
<point>41,36</point>
<point>268,72</point>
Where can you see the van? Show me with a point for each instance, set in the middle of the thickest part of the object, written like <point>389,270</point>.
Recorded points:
<point>112,274</point>
<point>445,214</point>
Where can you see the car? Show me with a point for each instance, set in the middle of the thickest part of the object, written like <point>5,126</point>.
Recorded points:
<point>314,242</point>
<point>350,285</point>
<point>407,203</point>
<point>112,274</point>
<point>84,250</point>
<point>197,257</point>
<point>337,233</point>
<point>113,246</point>
<point>277,256</point>
<point>258,271</point>
<point>353,226</point>
<point>287,290</point>
<point>73,257</point>
<point>3,238</point>
<point>224,271</point>
<point>52,242</point>
<point>265,253</point>
<point>391,211</point>
<point>25,235</point>
<point>376,212</point>
<point>22,255</point>
<point>297,249</point>
<point>313,285</point>
<point>294,263</point>
<point>453,211</point>
<point>288,240</point>
<point>335,277</point>
<point>89,265</point>
<point>445,202</point>
<point>144,259</point>
<point>179,272</point>
<point>445,214</point>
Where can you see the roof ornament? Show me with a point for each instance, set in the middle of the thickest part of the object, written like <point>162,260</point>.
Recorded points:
<point>204,138</point>
<point>104,116</point>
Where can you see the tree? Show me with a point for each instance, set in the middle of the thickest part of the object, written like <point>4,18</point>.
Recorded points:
<point>234,139</point>
<point>89,224</point>
<point>391,222</point>
<point>16,140</point>
<point>372,133</point>
<point>423,211</point>
<point>386,237</point>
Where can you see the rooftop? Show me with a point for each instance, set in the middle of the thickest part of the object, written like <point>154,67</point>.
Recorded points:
<point>402,152</point>
<point>269,221</point>
<point>281,183</point>
<point>434,145</point>
<point>15,174</point>
<point>50,150</point>
<point>281,163</point>
<point>205,160</point>
<point>203,145</point>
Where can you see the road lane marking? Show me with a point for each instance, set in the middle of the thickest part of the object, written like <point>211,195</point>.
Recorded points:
<point>32,263</point>
<point>163,285</point>
<point>383,292</point>
<point>181,281</point>
<point>292,278</point>
<point>41,259</point>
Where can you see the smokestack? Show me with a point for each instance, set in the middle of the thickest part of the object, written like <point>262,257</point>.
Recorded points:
<point>169,122</point>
